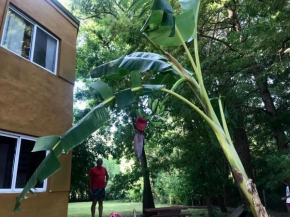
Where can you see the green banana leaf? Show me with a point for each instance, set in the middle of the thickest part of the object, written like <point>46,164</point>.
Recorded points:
<point>124,98</point>
<point>73,137</point>
<point>135,79</point>
<point>104,89</point>
<point>45,143</point>
<point>121,67</point>
<point>143,6</point>
<point>163,79</point>
<point>84,128</point>
<point>47,167</point>
<point>158,25</point>
<point>148,55</point>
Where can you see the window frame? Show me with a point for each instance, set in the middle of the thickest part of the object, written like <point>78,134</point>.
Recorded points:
<point>13,188</point>
<point>33,38</point>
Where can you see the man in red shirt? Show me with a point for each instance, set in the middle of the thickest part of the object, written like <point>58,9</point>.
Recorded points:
<point>98,179</point>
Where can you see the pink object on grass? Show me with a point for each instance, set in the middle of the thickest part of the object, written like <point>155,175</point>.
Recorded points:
<point>113,214</point>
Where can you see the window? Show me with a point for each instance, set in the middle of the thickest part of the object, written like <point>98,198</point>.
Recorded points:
<point>25,38</point>
<point>17,162</point>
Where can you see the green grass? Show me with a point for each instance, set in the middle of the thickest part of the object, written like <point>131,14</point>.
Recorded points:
<point>83,209</point>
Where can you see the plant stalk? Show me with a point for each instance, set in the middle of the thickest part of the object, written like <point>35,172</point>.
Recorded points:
<point>203,94</point>
<point>248,188</point>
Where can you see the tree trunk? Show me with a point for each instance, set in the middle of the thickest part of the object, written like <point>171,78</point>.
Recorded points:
<point>227,195</point>
<point>245,184</point>
<point>242,145</point>
<point>209,207</point>
<point>148,201</point>
<point>261,82</point>
<point>222,205</point>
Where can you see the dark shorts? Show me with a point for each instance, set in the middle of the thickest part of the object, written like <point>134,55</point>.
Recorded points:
<point>288,205</point>
<point>98,193</point>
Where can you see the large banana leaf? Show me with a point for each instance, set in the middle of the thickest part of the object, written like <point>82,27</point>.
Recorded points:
<point>124,98</point>
<point>148,55</point>
<point>84,128</point>
<point>135,79</point>
<point>73,137</point>
<point>45,143</point>
<point>140,61</point>
<point>104,89</point>
<point>143,6</point>
<point>47,167</point>
<point>157,26</point>
<point>163,79</point>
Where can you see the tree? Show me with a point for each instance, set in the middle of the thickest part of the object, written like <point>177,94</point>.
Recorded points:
<point>242,35</point>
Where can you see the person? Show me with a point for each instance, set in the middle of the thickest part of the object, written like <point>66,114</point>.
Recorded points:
<point>287,198</point>
<point>98,179</point>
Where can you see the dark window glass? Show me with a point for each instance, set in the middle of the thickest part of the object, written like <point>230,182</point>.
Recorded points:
<point>28,162</point>
<point>44,50</point>
<point>17,34</point>
<point>7,153</point>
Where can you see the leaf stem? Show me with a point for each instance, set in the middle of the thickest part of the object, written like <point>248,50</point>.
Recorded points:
<point>225,126</point>
<point>186,50</point>
<point>175,86</point>
<point>203,94</point>
<point>203,115</point>
<point>178,71</point>
<point>229,150</point>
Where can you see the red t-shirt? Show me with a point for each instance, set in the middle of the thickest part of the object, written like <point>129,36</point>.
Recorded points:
<point>97,175</point>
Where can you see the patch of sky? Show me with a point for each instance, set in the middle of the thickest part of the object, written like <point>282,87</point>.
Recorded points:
<point>79,104</point>
<point>65,3</point>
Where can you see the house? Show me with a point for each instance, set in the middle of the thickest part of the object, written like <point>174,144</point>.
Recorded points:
<point>37,72</point>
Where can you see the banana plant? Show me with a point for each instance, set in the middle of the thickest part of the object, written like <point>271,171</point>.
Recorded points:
<point>163,29</point>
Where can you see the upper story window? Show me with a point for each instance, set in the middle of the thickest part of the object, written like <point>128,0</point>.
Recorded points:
<point>17,162</point>
<point>25,38</point>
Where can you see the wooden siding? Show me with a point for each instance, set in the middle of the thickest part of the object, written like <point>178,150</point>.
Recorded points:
<point>38,103</point>
<point>33,101</point>
<point>44,13</point>
<point>41,205</point>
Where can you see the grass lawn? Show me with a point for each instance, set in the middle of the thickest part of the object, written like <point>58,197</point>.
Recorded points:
<point>83,209</point>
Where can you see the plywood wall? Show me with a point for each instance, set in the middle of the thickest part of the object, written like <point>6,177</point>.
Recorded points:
<point>38,103</point>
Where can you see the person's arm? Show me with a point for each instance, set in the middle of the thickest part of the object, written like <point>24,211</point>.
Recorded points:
<point>285,198</point>
<point>107,178</point>
<point>287,195</point>
<point>90,185</point>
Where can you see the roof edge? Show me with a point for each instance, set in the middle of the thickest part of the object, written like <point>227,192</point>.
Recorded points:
<point>61,7</point>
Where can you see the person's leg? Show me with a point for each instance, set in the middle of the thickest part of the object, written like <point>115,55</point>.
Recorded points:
<point>93,207</point>
<point>288,209</point>
<point>100,207</point>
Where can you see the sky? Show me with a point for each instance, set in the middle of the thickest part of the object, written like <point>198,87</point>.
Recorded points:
<point>65,3</point>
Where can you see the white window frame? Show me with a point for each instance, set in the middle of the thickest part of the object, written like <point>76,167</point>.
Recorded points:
<point>31,53</point>
<point>19,137</point>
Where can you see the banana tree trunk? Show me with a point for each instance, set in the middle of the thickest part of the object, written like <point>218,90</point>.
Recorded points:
<point>246,185</point>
